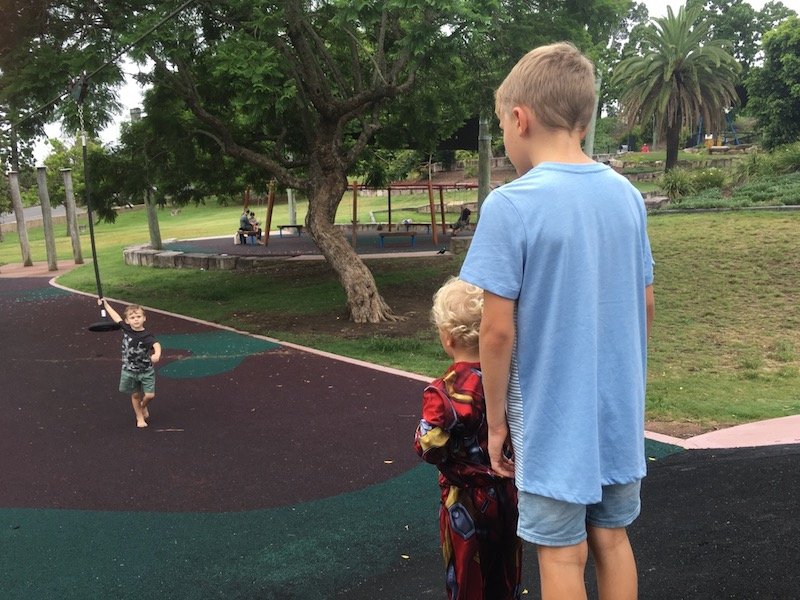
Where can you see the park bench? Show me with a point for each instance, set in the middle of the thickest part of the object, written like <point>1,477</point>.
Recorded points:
<point>299,229</point>
<point>427,226</point>
<point>382,235</point>
<point>249,235</point>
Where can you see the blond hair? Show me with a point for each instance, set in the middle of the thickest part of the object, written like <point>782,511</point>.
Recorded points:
<point>457,310</point>
<point>556,82</point>
<point>132,308</point>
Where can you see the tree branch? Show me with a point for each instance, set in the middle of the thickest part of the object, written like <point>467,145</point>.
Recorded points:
<point>222,134</point>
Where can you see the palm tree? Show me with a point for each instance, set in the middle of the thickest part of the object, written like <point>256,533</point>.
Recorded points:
<point>682,75</point>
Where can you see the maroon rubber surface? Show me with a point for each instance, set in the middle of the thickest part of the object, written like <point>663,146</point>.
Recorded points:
<point>283,427</point>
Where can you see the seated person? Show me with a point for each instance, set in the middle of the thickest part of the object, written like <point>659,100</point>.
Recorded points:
<point>463,220</point>
<point>244,226</point>
<point>254,224</point>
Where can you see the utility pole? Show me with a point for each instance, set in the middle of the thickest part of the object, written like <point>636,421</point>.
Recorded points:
<point>484,158</point>
<point>152,213</point>
<point>588,143</point>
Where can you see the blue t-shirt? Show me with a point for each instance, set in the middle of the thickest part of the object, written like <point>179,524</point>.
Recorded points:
<point>568,243</point>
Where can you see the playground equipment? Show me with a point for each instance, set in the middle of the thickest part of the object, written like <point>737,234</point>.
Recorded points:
<point>429,186</point>
<point>79,91</point>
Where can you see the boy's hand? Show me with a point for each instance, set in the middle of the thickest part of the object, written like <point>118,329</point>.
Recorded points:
<point>501,464</point>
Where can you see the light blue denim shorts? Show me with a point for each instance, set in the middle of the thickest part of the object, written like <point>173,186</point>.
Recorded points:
<point>548,522</point>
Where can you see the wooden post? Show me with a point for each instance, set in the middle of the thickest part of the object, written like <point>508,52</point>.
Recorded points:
<point>389,204</point>
<point>442,211</point>
<point>270,206</point>
<point>355,214</point>
<point>47,219</point>
<point>22,231</point>
<point>72,216</point>
<point>434,233</point>
<point>292,205</point>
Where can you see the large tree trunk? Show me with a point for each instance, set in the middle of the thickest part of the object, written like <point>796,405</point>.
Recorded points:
<point>673,142</point>
<point>364,302</point>
<point>152,220</point>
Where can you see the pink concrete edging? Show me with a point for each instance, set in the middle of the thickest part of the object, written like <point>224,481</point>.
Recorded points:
<point>772,432</point>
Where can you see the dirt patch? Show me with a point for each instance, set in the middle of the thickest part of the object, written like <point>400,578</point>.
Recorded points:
<point>410,300</point>
<point>682,429</point>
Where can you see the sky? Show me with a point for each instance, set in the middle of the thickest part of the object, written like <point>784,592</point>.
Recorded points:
<point>130,94</point>
<point>658,8</point>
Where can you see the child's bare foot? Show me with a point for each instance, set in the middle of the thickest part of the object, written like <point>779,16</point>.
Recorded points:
<point>141,424</point>
<point>145,412</point>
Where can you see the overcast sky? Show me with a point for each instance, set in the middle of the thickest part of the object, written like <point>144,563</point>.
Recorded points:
<point>131,94</point>
<point>658,8</point>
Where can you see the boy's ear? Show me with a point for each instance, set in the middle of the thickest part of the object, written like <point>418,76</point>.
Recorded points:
<point>521,118</point>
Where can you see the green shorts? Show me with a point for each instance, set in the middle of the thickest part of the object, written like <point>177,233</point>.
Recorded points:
<point>131,381</point>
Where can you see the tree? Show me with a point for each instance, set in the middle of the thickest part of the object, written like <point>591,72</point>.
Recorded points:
<point>774,89</point>
<point>681,76</point>
<point>299,89</point>
<point>744,27</point>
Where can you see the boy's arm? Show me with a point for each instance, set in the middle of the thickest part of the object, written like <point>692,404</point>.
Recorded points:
<point>156,356</point>
<point>431,437</point>
<point>650,306</point>
<point>496,346</point>
<point>111,312</point>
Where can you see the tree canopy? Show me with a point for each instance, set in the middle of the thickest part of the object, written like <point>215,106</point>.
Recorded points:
<point>774,89</point>
<point>681,77</point>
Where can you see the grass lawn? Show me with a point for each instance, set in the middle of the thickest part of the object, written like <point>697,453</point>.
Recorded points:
<point>725,346</point>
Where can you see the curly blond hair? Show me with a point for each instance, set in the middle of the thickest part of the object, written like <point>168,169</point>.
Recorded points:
<point>457,310</point>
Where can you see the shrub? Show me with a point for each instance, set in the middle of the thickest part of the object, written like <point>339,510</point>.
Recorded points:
<point>747,168</point>
<point>677,183</point>
<point>708,178</point>
<point>786,159</point>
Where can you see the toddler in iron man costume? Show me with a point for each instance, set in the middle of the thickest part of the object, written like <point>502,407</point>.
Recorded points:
<point>478,513</point>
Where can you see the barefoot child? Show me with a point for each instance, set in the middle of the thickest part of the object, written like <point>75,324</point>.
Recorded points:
<point>478,513</point>
<point>140,351</point>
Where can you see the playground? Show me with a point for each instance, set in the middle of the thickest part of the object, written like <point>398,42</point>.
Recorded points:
<point>273,471</point>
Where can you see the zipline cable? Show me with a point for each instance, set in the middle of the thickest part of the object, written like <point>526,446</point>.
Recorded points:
<point>87,77</point>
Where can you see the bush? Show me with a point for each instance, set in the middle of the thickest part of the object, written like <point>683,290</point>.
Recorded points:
<point>708,178</point>
<point>786,159</point>
<point>751,166</point>
<point>677,183</point>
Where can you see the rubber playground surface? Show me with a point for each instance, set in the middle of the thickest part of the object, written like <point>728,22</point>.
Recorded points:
<point>273,472</point>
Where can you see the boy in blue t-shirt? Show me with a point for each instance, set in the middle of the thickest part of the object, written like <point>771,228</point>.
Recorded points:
<point>563,256</point>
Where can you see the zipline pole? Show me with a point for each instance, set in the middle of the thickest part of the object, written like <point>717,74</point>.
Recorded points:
<point>47,219</point>
<point>72,216</point>
<point>19,213</point>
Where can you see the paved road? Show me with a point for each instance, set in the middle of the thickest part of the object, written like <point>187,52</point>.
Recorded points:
<point>34,213</point>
